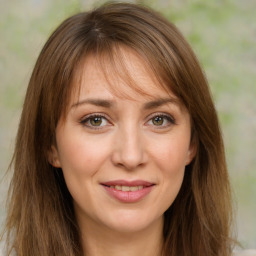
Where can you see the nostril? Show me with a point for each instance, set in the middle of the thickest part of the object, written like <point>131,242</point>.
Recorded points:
<point>128,151</point>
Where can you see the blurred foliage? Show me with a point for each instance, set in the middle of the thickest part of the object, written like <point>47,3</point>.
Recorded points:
<point>223,36</point>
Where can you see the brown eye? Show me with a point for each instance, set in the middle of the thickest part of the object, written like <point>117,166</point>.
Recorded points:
<point>158,120</point>
<point>161,121</point>
<point>95,121</point>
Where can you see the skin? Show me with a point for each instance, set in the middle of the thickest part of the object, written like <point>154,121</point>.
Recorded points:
<point>127,142</point>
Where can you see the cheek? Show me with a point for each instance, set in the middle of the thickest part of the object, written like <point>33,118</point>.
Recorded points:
<point>171,154</point>
<point>82,155</point>
<point>81,158</point>
<point>173,160</point>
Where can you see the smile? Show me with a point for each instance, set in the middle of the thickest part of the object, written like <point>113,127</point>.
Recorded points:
<point>128,191</point>
<point>127,188</point>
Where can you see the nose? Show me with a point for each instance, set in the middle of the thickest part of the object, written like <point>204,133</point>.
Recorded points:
<point>129,149</point>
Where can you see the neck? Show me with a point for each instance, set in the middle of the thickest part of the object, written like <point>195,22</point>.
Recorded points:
<point>101,241</point>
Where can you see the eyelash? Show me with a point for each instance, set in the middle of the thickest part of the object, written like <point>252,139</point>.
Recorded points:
<point>87,118</point>
<point>166,117</point>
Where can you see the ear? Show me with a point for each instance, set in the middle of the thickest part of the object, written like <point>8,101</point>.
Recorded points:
<point>191,152</point>
<point>53,157</point>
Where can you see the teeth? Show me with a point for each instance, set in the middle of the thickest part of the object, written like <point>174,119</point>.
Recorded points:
<point>134,188</point>
<point>127,188</point>
<point>118,187</point>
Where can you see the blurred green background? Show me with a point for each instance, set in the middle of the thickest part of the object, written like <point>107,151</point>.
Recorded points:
<point>221,32</point>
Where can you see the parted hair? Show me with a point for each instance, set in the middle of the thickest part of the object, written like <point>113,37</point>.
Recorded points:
<point>40,215</point>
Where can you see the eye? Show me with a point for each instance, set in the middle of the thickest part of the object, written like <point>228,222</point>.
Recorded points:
<point>95,121</point>
<point>161,120</point>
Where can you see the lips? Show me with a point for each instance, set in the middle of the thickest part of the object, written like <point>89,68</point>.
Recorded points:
<point>127,188</point>
<point>128,191</point>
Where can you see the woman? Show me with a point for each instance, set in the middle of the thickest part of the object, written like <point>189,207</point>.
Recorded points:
<point>119,150</point>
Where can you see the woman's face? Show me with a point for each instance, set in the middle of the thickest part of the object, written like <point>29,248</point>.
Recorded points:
<point>123,158</point>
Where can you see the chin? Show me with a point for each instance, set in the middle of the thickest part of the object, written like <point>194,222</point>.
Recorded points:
<point>130,222</point>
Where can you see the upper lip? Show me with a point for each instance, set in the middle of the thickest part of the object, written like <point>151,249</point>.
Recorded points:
<point>127,183</point>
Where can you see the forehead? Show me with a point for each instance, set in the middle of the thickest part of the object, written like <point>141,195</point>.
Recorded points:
<point>123,74</point>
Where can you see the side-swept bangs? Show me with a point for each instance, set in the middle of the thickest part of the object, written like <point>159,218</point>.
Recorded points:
<point>40,213</point>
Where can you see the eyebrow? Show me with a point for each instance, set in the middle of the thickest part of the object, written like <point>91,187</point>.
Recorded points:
<point>109,103</point>
<point>160,102</point>
<point>96,102</point>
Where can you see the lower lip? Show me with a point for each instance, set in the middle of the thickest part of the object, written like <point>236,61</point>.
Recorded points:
<point>128,196</point>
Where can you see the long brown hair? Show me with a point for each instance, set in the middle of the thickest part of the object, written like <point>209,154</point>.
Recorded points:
<point>40,216</point>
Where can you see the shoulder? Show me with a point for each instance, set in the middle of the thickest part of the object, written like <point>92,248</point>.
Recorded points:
<point>2,247</point>
<point>245,253</point>
<point>2,251</point>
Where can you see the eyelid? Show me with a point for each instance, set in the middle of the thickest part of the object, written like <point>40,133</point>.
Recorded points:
<point>170,119</point>
<point>168,116</point>
<point>86,118</point>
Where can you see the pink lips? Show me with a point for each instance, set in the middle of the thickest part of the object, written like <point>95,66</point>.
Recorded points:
<point>139,189</point>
